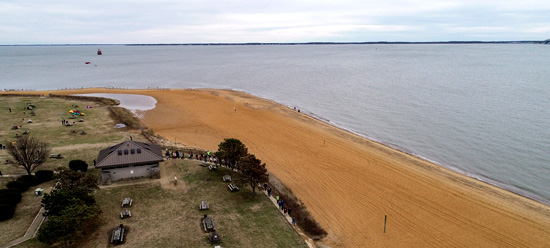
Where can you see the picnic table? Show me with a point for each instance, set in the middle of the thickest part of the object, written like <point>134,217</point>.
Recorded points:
<point>127,202</point>
<point>58,156</point>
<point>118,234</point>
<point>125,214</point>
<point>204,205</point>
<point>227,178</point>
<point>233,187</point>
<point>212,167</point>
<point>208,224</point>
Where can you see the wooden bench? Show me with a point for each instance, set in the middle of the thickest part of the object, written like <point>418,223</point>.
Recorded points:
<point>227,178</point>
<point>127,202</point>
<point>125,214</point>
<point>203,205</point>
<point>58,156</point>
<point>208,224</point>
<point>233,187</point>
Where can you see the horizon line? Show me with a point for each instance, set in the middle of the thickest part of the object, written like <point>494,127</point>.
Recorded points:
<point>288,43</point>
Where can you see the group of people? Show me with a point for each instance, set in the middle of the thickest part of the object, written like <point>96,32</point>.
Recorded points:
<point>280,203</point>
<point>202,156</point>
<point>66,123</point>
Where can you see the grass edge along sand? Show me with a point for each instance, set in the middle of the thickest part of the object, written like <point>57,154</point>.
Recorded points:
<point>350,184</point>
<point>116,115</point>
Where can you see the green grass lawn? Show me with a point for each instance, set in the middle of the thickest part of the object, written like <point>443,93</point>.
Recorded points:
<point>163,215</point>
<point>169,216</point>
<point>47,127</point>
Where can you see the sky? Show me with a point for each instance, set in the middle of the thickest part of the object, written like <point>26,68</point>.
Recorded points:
<point>239,21</point>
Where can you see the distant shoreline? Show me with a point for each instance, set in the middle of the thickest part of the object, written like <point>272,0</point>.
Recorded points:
<point>304,43</point>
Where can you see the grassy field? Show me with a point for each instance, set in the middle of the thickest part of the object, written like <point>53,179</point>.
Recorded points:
<point>163,215</point>
<point>46,125</point>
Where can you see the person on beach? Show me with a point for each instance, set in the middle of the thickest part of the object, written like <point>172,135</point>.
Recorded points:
<point>293,221</point>
<point>10,110</point>
<point>269,192</point>
<point>265,186</point>
<point>289,211</point>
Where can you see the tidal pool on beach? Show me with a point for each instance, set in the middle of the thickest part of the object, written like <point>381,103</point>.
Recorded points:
<point>135,103</point>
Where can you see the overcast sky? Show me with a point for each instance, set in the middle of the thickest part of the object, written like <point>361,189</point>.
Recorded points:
<point>203,21</point>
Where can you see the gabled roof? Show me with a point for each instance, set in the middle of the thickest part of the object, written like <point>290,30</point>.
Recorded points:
<point>128,153</point>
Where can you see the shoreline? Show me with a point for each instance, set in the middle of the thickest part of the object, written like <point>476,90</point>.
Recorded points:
<point>428,174</point>
<point>507,187</point>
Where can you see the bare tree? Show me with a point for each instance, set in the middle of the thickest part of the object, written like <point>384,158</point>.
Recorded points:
<point>28,152</point>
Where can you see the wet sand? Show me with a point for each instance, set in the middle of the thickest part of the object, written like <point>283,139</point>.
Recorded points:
<point>350,183</point>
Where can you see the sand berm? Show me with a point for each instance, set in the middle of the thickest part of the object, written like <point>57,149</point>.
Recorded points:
<point>350,183</point>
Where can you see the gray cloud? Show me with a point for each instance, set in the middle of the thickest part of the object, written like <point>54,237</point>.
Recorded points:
<point>46,22</point>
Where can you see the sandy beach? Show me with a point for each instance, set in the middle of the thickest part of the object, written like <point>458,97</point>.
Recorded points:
<point>350,184</point>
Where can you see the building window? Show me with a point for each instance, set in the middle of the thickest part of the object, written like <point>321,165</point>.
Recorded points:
<point>133,151</point>
<point>119,152</point>
<point>125,151</point>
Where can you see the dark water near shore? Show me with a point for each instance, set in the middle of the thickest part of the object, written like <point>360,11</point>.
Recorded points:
<point>483,109</point>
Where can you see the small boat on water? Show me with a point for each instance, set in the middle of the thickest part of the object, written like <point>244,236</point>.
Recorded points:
<point>99,52</point>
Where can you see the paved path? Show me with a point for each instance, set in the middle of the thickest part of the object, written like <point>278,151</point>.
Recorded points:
<point>31,232</point>
<point>310,243</point>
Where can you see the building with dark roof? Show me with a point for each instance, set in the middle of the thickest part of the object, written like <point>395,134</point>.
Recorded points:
<point>129,160</point>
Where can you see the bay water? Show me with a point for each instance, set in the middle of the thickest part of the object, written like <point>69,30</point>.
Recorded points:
<point>480,109</point>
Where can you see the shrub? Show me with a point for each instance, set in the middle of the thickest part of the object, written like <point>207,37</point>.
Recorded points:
<point>29,179</point>
<point>6,211</point>
<point>299,211</point>
<point>10,197</point>
<point>44,175</point>
<point>22,186</point>
<point>78,165</point>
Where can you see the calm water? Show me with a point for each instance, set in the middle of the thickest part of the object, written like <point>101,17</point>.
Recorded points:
<point>483,110</point>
